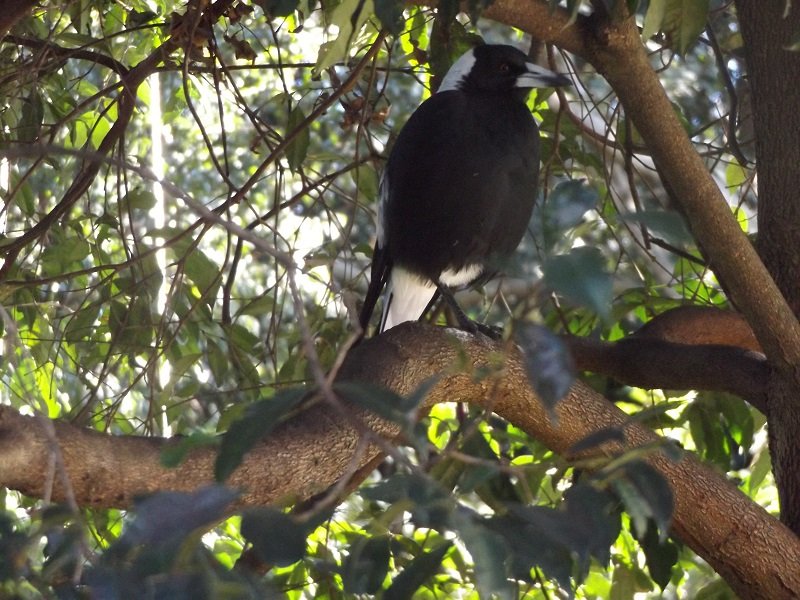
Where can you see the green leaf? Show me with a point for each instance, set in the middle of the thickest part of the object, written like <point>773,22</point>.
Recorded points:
<point>366,178</point>
<point>581,277</point>
<point>492,484</point>
<point>278,8</point>
<point>131,324</point>
<point>138,199</point>
<point>367,564</point>
<point>668,224</point>
<point>263,305</point>
<point>298,148</point>
<point>217,361</point>
<point>597,518</point>
<point>382,401</point>
<point>349,17</point>
<point>166,518</point>
<point>654,18</point>
<point>78,40</point>
<point>489,554</point>
<point>597,439</point>
<point>736,175</point>
<point>82,323</point>
<point>203,272</point>
<point>260,418</point>
<point>241,338</point>
<point>565,207</point>
<point>707,432</point>
<point>548,362</point>
<point>759,471</point>
<point>276,537</point>
<point>416,573</point>
<point>681,20</point>
<point>660,556</point>
<point>173,453</point>
<point>390,13</point>
<point>646,495</point>
<point>626,582</point>
<point>557,540</point>
<point>137,18</point>
<point>64,253</point>
<point>429,503</point>
<point>716,590</point>
<point>30,123</point>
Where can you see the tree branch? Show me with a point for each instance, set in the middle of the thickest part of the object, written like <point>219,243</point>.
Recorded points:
<point>689,347</point>
<point>615,49</point>
<point>655,364</point>
<point>308,454</point>
<point>126,103</point>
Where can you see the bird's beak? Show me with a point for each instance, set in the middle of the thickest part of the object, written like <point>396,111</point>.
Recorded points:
<point>538,77</point>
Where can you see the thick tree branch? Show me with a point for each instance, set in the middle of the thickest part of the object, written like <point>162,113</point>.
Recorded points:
<point>730,253</point>
<point>701,325</point>
<point>738,538</point>
<point>769,30</point>
<point>616,51</point>
<point>689,347</point>
<point>655,364</point>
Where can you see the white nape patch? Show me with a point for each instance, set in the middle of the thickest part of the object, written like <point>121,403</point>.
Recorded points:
<point>406,297</point>
<point>458,72</point>
<point>455,279</point>
<point>383,197</point>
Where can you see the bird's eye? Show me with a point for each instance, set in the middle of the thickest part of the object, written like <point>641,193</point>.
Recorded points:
<point>504,67</point>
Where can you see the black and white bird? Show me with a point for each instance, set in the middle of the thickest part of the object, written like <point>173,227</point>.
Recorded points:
<point>459,186</point>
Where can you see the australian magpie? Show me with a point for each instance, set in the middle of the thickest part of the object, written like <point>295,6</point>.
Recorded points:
<point>459,186</point>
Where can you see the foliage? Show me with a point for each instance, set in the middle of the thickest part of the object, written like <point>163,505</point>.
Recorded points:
<point>189,306</point>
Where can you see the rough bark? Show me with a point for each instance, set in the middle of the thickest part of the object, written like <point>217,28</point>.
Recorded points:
<point>747,546</point>
<point>774,72</point>
<point>750,549</point>
<point>655,364</point>
<point>616,51</point>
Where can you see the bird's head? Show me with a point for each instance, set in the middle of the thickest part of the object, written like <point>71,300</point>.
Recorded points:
<point>498,68</point>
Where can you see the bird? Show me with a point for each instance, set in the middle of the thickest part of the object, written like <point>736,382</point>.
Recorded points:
<point>459,186</point>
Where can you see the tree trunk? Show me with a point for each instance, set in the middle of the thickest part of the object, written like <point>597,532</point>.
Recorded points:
<point>774,74</point>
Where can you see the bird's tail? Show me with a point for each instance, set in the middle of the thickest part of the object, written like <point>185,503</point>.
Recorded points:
<point>408,297</point>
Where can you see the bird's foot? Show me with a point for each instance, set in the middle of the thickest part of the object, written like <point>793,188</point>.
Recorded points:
<point>490,331</point>
<point>471,326</point>
<point>464,322</point>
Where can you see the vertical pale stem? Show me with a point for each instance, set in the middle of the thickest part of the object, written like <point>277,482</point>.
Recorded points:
<point>157,165</point>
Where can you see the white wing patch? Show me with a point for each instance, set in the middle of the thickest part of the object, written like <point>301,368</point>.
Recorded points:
<point>406,298</point>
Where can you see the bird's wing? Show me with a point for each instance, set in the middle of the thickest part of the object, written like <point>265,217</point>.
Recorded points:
<point>407,296</point>
<point>458,196</point>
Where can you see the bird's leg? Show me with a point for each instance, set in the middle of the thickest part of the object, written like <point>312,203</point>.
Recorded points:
<point>464,322</point>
